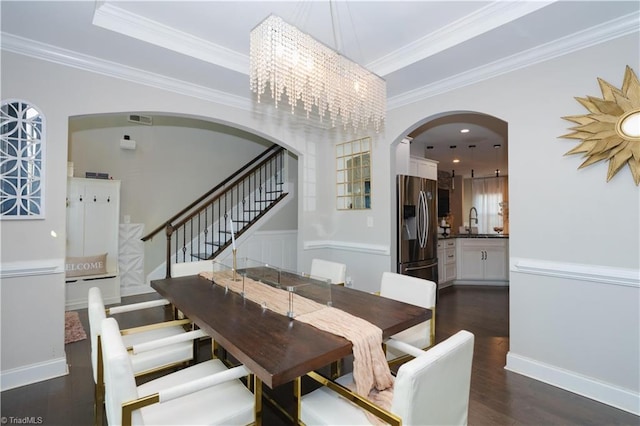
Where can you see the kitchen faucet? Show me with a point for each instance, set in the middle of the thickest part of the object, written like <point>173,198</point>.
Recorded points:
<point>471,210</point>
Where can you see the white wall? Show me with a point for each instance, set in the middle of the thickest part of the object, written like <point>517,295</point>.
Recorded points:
<point>574,239</point>
<point>344,235</point>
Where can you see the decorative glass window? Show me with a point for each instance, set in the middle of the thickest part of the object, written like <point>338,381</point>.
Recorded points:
<point>21,161</point>
<point>353,179</point>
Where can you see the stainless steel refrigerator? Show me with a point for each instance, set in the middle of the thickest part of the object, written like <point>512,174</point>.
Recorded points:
<point>417,227</point>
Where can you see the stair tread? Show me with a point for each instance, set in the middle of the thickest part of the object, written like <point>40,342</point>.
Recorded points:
<point>201,256</point>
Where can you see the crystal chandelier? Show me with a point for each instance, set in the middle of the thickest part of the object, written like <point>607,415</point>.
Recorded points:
<point>294,63</point>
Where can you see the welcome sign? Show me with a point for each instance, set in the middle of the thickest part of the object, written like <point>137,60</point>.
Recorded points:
<point>86,265</point>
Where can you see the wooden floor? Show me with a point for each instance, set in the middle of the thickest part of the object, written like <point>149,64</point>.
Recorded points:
<point>498,397</point>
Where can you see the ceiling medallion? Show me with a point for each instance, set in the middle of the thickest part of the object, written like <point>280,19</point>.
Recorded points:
<point>611,129</point>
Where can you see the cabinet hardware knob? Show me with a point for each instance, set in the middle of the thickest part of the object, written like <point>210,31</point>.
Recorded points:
<point>109,199</point>
<point>94,199</point>
<point>81,198</point>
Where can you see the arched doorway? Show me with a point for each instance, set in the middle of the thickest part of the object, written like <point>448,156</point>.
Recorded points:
<point>470,147</point>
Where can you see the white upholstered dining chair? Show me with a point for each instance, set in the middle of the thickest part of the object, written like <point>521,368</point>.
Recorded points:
<point>415,291</point>
<point>204,394</point>
<point>334,271</point>
<point>431,389</point>
<point>178,353</point>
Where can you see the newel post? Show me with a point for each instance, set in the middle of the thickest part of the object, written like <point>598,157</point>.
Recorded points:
<point>168,231</point>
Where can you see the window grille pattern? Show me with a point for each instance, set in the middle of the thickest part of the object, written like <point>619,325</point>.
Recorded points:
<point>21,161</point>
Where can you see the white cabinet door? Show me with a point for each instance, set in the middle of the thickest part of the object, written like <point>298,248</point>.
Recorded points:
<point>446,261</point>
<point>495,264</point>
<point>470,263</point>
<point>101,221</point>
<point>482,259</point>
<point>423,167</point>
<point>75,220</point>
<point>450,264</point>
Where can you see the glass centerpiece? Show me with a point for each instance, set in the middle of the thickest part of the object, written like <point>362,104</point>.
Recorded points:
<point>286,292</point>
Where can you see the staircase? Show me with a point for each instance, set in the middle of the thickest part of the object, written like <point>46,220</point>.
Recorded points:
<point>208,226</point>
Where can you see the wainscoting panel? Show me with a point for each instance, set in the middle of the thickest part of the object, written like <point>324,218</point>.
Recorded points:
<point>277,248</point>
<point>575,326</point>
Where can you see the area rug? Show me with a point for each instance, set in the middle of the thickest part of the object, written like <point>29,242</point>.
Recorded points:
<point>73,330</point>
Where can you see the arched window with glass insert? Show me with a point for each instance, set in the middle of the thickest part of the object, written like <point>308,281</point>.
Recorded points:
<point>21,160</point>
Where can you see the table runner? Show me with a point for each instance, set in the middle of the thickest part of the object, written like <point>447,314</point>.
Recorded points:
<point>371,373</point>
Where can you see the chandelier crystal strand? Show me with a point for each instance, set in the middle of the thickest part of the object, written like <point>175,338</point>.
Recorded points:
<point>295,64</point>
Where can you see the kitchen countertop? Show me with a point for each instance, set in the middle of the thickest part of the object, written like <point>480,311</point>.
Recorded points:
<point>440,237</point>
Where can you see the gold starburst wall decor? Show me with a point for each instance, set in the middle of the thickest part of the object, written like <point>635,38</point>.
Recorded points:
<point>611,129</point>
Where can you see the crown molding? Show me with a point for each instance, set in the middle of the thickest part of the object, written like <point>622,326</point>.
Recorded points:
<point>481,21</point>
<point>599,34</point>
<point>607,31</point>
<point>130,24</point>
<point>47,52</point>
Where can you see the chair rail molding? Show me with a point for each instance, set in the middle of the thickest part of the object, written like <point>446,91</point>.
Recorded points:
<point>378,249</point>
<point>595,273</point>
<point>31,267</point>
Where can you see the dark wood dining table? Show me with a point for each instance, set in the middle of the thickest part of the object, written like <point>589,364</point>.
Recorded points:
<point>274,347</point>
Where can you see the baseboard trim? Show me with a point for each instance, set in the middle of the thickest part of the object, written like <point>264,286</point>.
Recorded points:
<point>33,373</point>
<point>576,383</point>
<point>490,283</point>
<point>135,290</point>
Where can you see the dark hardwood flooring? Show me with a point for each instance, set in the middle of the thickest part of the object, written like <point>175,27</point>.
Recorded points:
<point>498,397</point>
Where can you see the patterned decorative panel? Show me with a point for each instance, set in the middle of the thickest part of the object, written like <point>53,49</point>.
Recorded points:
<point>21,161</point>
<point>131,255</point>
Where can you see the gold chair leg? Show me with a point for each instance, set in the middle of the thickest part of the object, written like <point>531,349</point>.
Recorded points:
<point>297,396</point>
<point>257,391</point>
<point>336,369</point>
<point>215,349</point>
<point>98,408</point>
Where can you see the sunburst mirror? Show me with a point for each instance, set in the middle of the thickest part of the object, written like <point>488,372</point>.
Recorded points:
<point>611,129</point>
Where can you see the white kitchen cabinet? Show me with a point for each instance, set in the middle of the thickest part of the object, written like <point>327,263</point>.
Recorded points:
<point>93,220</point>
<point>447,270</point>
<point>423,167</point>
<point>483,260</point>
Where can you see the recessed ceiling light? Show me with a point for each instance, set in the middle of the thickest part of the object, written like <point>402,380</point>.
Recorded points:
<point>455,160</point>
<point>464,131</point>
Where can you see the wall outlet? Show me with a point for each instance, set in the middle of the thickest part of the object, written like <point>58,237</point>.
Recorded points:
<point>370,221</point>
<point>348,282</point>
